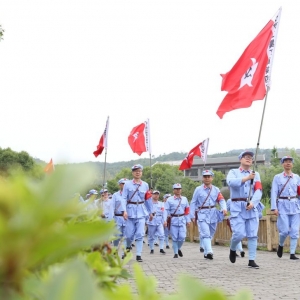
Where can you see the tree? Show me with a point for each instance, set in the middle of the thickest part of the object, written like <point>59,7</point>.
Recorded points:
<point>1,32</point>
<point>274,157</point>
<point>218,179</point>
<point>10,161</point>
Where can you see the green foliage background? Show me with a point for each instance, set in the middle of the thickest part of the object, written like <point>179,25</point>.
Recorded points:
<point>53,248</point>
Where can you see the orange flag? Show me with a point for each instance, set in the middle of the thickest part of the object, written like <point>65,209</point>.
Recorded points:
<point>49,168</point>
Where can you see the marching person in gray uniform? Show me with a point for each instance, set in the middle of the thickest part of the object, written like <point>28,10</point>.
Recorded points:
<point>178,211</point>
<point>203,210</point>
<point>239,246</point>
<point>91,200</point>
<point>285,203</point>
<point>117,204</point>
<point>166,229</point>
<point>156,225</point>
<point>245,197</point>
<point>104,205</point>
<point>138,207</point>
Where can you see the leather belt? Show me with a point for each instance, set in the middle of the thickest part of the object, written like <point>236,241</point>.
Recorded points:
<point>207,207</point>
<point>155,214</point>
<point>239,199</point>
<point>119,215</point>
<point>178,215</point>
<point>288,198</point>
<point>129,202</point>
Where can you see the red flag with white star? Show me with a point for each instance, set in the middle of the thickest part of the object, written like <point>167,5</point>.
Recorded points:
<point>103,140</point>
<point>139,138</point>
<point>249,78</point>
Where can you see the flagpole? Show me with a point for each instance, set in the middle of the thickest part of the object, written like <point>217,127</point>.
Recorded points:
<point>260,129</point>
<point>150,172</point>
<point>104,172</point>
<point>149,148</point>
<point>105,146</point>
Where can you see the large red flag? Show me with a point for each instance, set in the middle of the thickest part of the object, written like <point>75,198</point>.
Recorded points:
<point>139,138</point>
<point>200,150</point>
<point>49,167</point>
<point>103,140</point>
<point>249,78</point>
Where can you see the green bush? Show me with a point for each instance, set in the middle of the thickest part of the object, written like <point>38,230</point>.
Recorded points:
<point>52,248</point>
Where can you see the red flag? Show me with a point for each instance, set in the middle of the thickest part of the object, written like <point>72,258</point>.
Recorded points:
<point>136,139</point>
<point>49,167</point>
<point>139,138</point>
<point>249,78</point>
<point>103,140</point>
<point>188,161</point>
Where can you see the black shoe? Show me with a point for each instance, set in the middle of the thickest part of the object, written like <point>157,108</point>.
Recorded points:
<point>252,264</point>
<point>132,245</point>
<point>162,251</point>
<point>209,256</point>
<point>143,242</point>
<point>180,253</point>
<point>242,253</point>
<point>128,249</point>
<point>175,256</point>
<point>201,249</point>
<point>279,251</point>
<point>232,256</point>
<point>237,255</point>
<point>152,252</point>
<point>139,259</point>
<point>123,256</point>
<point>167,247</point>
<point>293,256</point>
<point>156,244</point>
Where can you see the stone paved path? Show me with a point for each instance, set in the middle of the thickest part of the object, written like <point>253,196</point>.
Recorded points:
<point>276,279</point>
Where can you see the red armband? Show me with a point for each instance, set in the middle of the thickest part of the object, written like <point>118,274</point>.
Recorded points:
<point>187,211</point>
<point>148,195</point>
<point>257,186</point>
<point>298,190</point>
<point>220,197</point>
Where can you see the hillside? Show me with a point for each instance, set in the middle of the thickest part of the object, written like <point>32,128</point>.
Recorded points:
<point>113,168</point>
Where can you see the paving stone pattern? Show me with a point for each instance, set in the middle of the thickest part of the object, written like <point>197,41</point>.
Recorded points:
<point>277,278</point>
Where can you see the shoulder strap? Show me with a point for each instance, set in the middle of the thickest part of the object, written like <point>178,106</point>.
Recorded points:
<point>283,187</point>
<point>134,193</point>
<point>206,198</point>
<point>118,205</point>
<point>177,206</point>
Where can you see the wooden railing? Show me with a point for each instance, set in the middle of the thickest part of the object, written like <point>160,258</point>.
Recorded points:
<point>267,233</point>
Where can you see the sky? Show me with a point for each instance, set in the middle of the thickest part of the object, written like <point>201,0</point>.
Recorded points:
<point>66,65</point>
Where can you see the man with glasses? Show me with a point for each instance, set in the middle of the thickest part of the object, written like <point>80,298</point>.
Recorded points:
<point>138,207</point>
<point>285,204</point>
<point>245,193</point>
<point>203,208</point>
<point>178,211</point>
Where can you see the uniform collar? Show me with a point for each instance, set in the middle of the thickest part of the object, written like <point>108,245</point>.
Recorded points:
<point>285,175</point>
<point>134,182</point>
<point>175,197</point>
<point>244,171</point>
<point>205,186</point>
